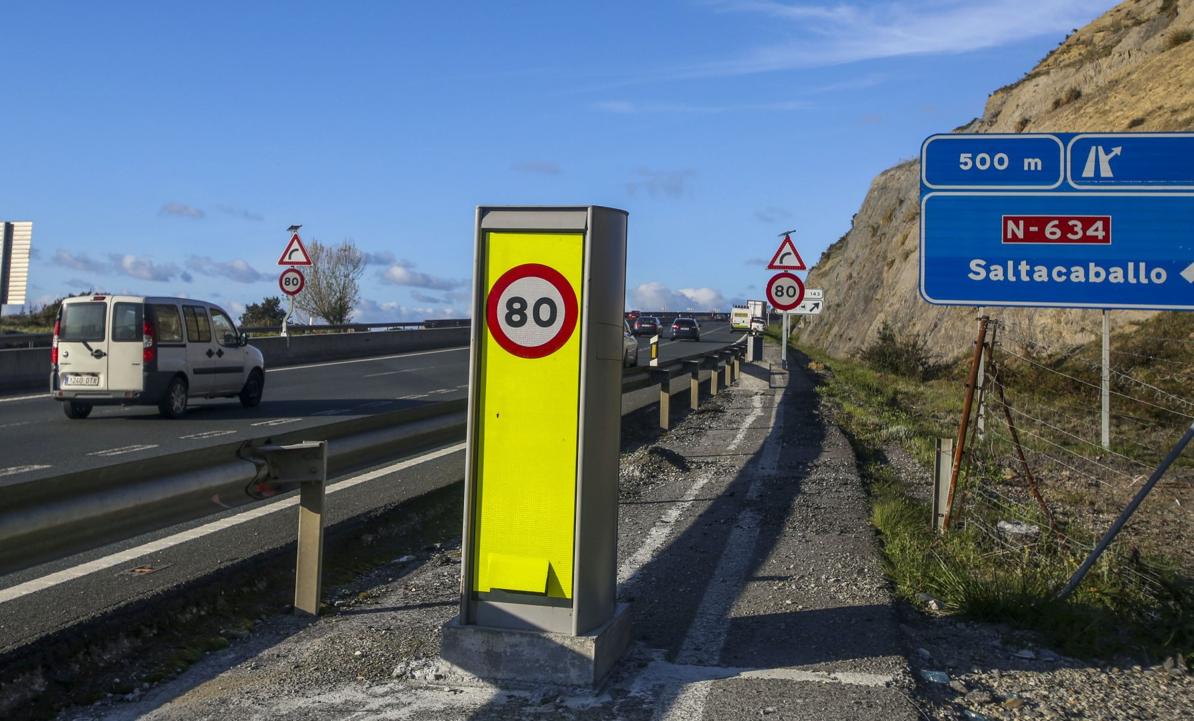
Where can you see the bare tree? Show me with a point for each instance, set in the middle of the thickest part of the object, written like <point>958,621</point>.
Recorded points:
<point>332,289</point>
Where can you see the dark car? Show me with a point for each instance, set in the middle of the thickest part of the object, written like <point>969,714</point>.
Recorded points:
<point>646,325</point>
<point>686,328</point>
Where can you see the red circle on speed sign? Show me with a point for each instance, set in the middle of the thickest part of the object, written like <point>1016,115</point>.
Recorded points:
<point>785,291</point>
<point>531,310</point>
<point>291,281</point>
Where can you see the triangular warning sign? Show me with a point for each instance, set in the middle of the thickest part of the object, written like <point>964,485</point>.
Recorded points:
<point>295,253</point>
<point>787,257</point>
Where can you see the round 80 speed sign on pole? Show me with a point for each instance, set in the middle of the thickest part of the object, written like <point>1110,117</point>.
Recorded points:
<point>531,310</point>
<point>785,291</point>
<point>291,281</point>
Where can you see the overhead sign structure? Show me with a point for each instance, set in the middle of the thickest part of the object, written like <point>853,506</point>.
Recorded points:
<point>291,281</point>
<point>785,291</point>
<point>541,489</point>
<point>16,243</point>
<point>814,301</point>
<point>1094,220</point>
<point>787,257</point>
<point>295,253</point>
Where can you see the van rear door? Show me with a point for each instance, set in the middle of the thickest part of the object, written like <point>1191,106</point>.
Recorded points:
<point>126,346</point>
<point>83,346</point>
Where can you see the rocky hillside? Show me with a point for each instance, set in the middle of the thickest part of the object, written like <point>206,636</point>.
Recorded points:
<point>1131,69</point>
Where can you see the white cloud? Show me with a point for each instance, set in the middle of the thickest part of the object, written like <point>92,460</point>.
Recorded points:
<point>237,270</point>
<point>383,257</point>
<point>655,296</point>
<point>182,210</point>
<point>372,311</point>
<point>80,261</point>
<point>142,268</point>
<point>668,183</point>
<point>403,273</point>
<point>849,32</point>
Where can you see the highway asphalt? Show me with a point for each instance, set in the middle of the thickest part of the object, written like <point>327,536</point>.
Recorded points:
<point>40,442</point>
<point>187,551</point>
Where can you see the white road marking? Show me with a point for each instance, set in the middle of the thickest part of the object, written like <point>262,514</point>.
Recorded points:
<point>14,470</point>
<point>662,672</point>
<point>393,373</point>
<point>205,434</point>
<point>14,425</point>
<point>365,360</point>
<point>123,450</point>
<point>332,412</point>
<point>10,399</point>
<point>116,559</point>
<point>662,529</point>
<point>276,422</point>
<point>706,636</point>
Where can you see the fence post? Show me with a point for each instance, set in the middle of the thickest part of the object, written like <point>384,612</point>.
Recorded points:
<point>664,379</point>
<point>694,383</point>
<point>1105,427</point>
<point>965,422</point>
<point>941,470</point>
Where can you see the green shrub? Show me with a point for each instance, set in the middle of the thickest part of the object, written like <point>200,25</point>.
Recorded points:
<point>906,355</point>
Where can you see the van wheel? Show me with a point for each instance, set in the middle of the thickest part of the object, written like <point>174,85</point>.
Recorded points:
<point>174,403</point>
<point>76,410</point>
<point>250,395</point>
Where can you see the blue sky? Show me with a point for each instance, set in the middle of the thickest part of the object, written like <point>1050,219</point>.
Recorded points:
<point>165,147</point>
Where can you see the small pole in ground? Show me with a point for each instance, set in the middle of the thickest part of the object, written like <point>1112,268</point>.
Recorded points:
<point>965,422</point>
<point>654,350</point>
<point>1106,414</point>
<point>784,351</point>
<point>941,470</point>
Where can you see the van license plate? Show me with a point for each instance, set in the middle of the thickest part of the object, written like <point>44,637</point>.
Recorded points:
<point>80,380</point>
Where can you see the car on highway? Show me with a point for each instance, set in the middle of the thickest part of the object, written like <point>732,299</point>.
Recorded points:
<point>646,325</point>
<point>686,328</point>
<point>629,346</point>
<point>137,350</point>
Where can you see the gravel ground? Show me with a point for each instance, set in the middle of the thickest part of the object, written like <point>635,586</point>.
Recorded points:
<point>755,585</point>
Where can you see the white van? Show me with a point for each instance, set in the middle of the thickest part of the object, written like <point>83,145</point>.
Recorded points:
<point>134,350</point>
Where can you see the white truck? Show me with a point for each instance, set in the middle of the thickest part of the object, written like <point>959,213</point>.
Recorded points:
<point>741,315</point>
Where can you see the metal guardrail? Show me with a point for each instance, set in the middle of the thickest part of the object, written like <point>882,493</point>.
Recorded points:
<point>82,509</point>
<point>297,328</point>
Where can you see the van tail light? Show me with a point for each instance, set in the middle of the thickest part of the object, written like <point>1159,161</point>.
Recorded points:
<point>148,342</point>
<point>54,344</point>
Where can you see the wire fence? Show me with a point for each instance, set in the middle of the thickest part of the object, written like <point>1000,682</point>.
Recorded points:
<point>1040,481</point>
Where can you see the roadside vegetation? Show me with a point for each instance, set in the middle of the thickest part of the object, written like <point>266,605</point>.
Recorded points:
<point>897,400</point>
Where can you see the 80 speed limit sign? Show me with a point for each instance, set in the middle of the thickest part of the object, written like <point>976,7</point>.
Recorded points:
<point>291,281</point>
<point>531,310</point>
<point>785,291</point>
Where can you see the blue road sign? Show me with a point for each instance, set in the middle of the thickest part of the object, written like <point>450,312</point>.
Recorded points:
<point>1066,220</point>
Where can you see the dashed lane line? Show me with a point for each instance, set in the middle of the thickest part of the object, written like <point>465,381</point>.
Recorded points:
<point>276,422</point>
<point>10,399</point>
<point>14,470</point>
<point>205,434</point>
<point>54,579</point>
<point>108,453</point>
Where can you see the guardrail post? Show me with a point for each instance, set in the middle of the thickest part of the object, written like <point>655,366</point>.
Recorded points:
<point>304,463</point>
<point>694,383</point>
<point>737,364</point>
<point>712,361</point>
<point>941,469</point>
<point>664,379</point>
<point>728,368</point>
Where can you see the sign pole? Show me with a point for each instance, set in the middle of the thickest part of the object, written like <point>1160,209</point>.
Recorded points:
<point>784,351</point>
<point>1106,415</point>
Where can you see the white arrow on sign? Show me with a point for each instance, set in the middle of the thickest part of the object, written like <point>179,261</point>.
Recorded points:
<point>1188,273</point>
<point>809,307</point>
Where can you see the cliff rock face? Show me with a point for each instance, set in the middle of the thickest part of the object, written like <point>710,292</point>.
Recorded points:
<point>1131,69</point>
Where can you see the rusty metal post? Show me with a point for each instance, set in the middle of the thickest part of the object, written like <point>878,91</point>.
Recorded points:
<point>941,471</point>
<point>960,450</point>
